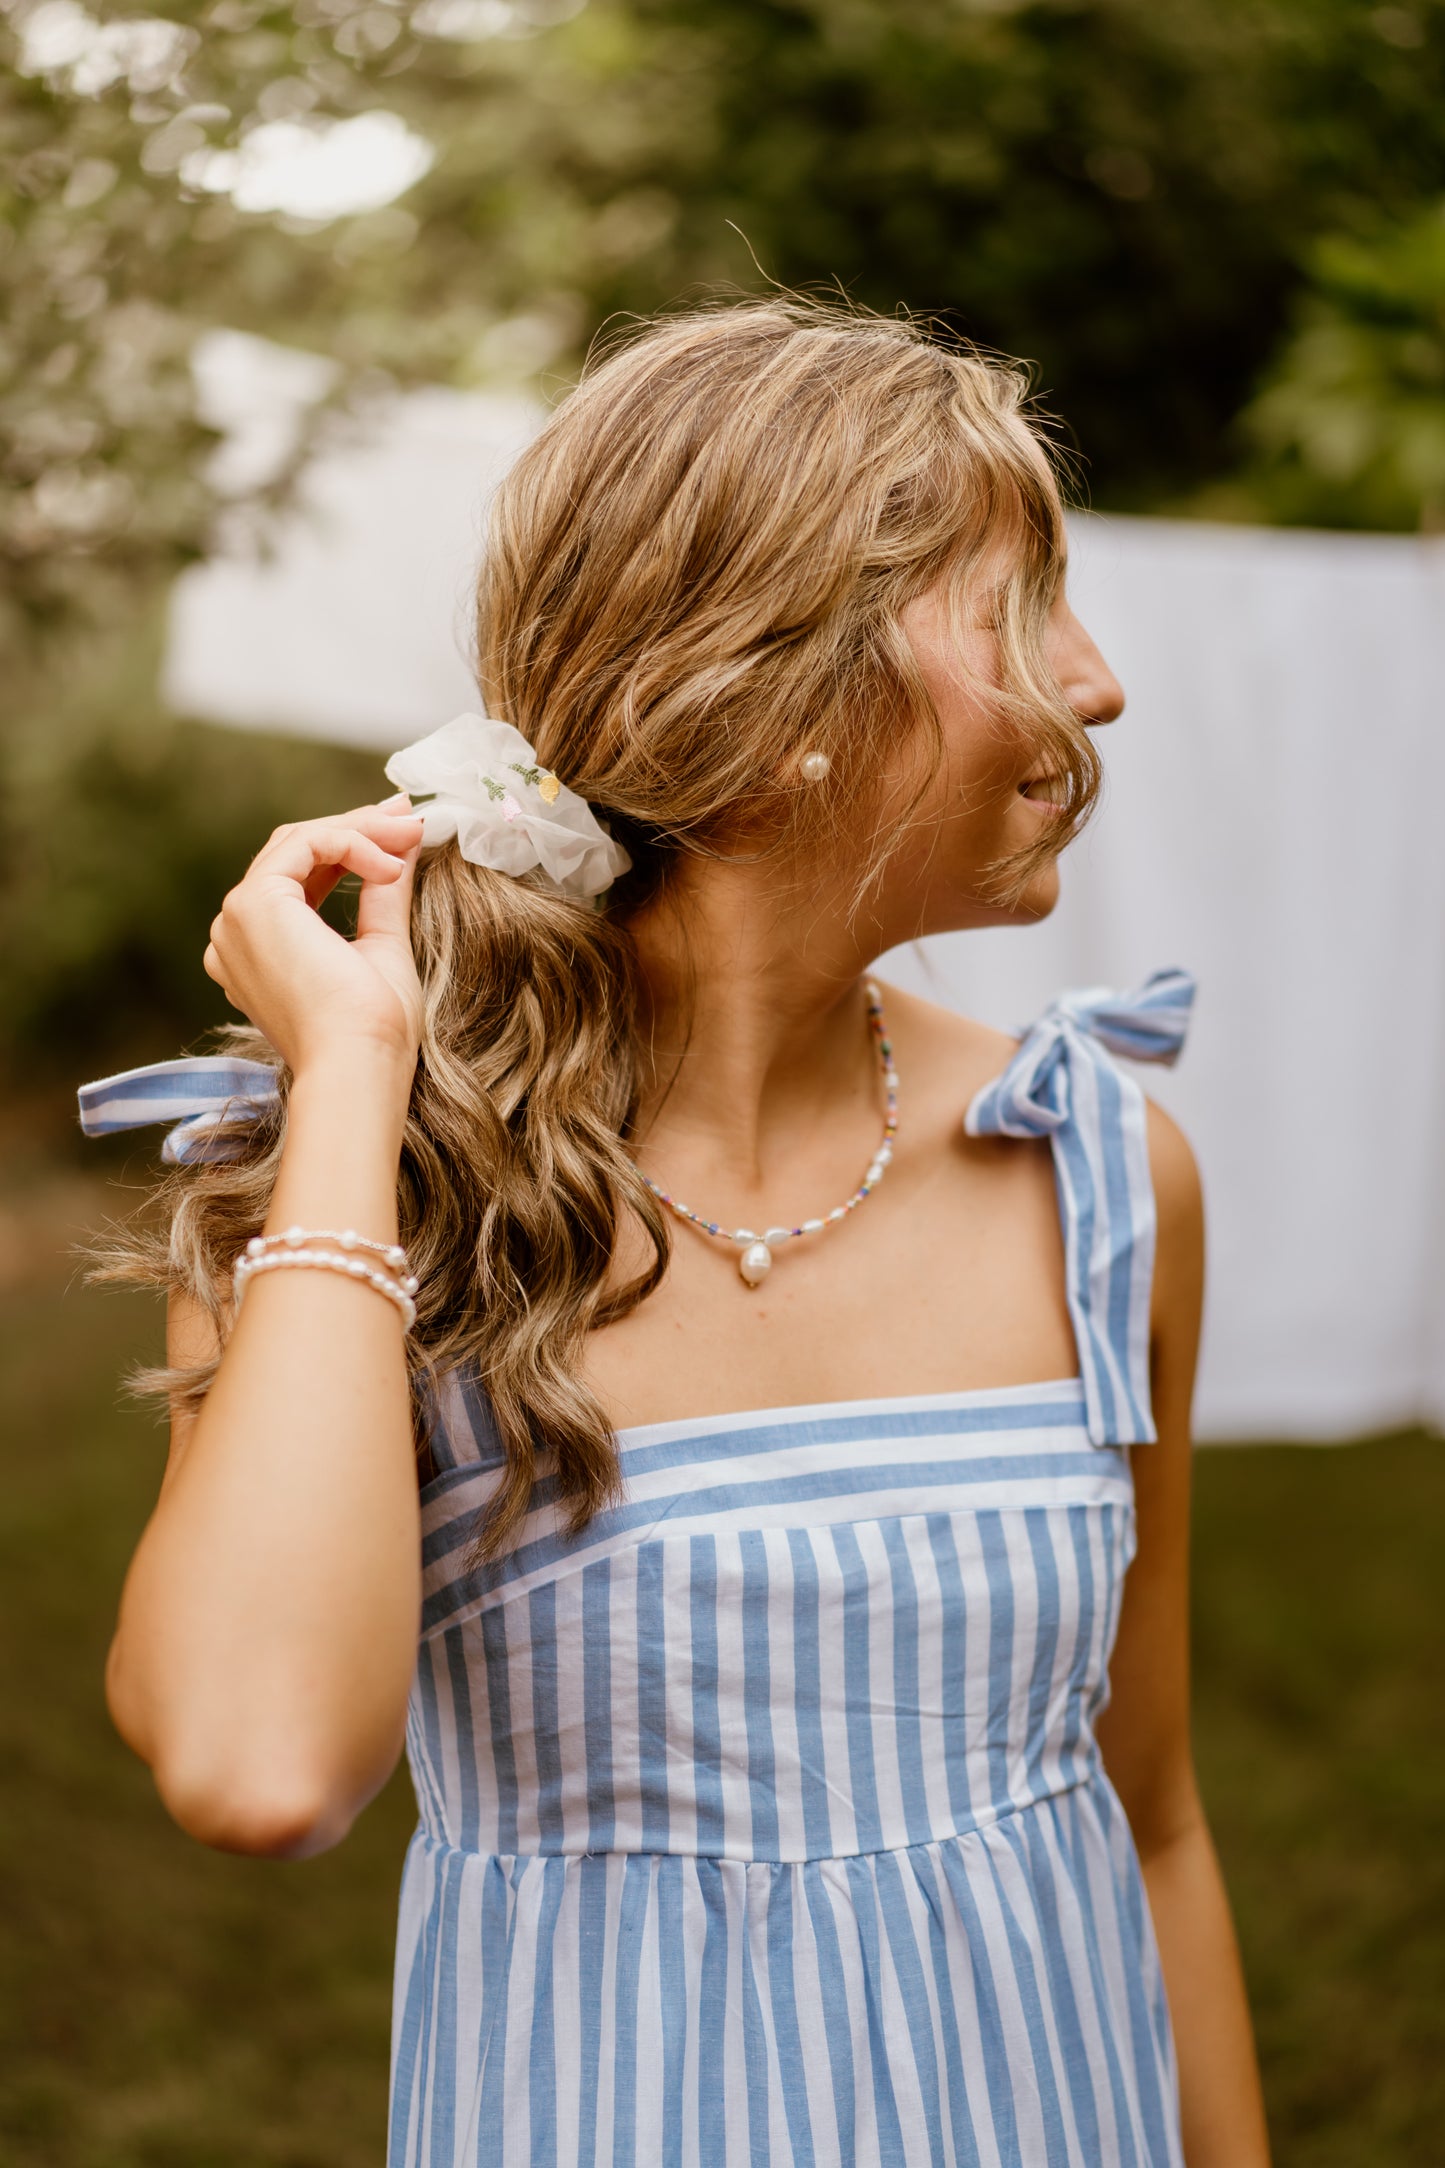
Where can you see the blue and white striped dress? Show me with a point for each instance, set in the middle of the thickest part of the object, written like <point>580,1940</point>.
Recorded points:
<point>763,1822</point>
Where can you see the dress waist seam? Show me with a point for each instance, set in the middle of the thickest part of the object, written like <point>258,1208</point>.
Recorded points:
<point>1089,1779</point>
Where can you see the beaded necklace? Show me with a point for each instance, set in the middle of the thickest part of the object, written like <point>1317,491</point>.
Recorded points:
<point>756,1251</point>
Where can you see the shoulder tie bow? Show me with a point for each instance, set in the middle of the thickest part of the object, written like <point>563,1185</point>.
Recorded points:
<point>1063,1085</point>
<point>206,1096</point>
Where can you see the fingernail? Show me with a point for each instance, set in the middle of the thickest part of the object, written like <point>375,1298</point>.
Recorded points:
<point>402,797</point>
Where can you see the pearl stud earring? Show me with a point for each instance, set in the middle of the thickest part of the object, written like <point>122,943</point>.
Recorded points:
<point>814,767</point>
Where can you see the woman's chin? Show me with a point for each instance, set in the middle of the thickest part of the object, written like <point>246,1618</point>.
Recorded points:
<point>1039,898</point>
<point>1036,901</point>
<point>961,912</point>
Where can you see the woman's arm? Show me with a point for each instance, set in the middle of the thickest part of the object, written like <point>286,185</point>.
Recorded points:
<point>267,1629</point>
<point>1144,1732</point>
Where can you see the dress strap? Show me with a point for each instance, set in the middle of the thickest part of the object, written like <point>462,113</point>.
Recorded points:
<point>1062,1083</point>
<point>206,1096</point>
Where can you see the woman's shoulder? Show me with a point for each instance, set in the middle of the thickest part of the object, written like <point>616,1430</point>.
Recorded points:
<point>1174,1173</point>
<point>943,1050</point>
<point>1062,1067</point>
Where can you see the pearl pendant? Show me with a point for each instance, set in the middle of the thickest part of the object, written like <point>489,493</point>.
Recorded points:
<point>755,1252</point>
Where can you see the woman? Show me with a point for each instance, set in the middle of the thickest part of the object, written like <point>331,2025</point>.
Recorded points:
<point>764,1810</point>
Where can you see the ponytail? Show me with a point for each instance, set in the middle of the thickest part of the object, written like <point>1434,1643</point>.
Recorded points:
<point>514,1179</point>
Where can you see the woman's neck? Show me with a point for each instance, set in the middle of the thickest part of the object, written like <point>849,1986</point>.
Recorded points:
<point>754,1022</point>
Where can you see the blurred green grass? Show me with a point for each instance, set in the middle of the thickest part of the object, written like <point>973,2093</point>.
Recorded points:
<point>171,2008</point>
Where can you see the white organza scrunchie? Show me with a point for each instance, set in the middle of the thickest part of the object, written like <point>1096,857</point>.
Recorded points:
<point>485,787</point>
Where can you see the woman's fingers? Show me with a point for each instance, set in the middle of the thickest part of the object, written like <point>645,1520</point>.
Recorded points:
<point>385,907</point>
<point>314,855</point>
<point>215,969</point>
<point>324,876</point>
<point>325,847</point>
<point>256,934</point>
<point>392,824</point>
<point>319,883</point>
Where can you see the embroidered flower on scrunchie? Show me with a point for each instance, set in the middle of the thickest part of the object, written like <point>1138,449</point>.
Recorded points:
<point>463,773</point>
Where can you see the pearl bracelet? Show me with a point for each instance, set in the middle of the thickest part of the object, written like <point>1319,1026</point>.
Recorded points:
<point>391,1253</point>
<point>399,1292</point>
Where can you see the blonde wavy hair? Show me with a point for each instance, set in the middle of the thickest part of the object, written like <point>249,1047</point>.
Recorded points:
<point>693,575</point>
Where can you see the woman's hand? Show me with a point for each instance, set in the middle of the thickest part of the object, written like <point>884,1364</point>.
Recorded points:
<point>307,987</point>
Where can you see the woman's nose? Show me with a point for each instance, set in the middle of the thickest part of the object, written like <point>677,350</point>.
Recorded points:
<point>1090,686</point>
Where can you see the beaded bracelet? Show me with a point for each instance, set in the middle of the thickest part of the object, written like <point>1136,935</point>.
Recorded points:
<point>391,1253</point>
<point>399,1292</point>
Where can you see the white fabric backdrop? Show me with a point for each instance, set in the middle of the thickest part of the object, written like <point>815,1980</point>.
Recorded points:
<point>1272,821</point>
<point>356,625</point>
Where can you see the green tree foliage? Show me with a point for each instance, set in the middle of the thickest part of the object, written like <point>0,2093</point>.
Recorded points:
<point>120,830</point>
<point>110,265</point>
<point>1349,428</point>
<point>1209,223</point>
<point>1121,190</point>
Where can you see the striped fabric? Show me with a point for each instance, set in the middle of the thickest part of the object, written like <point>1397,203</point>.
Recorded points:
<point>1093,1114</point>
<point>204,1095</point>
<point>763,1822</point>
